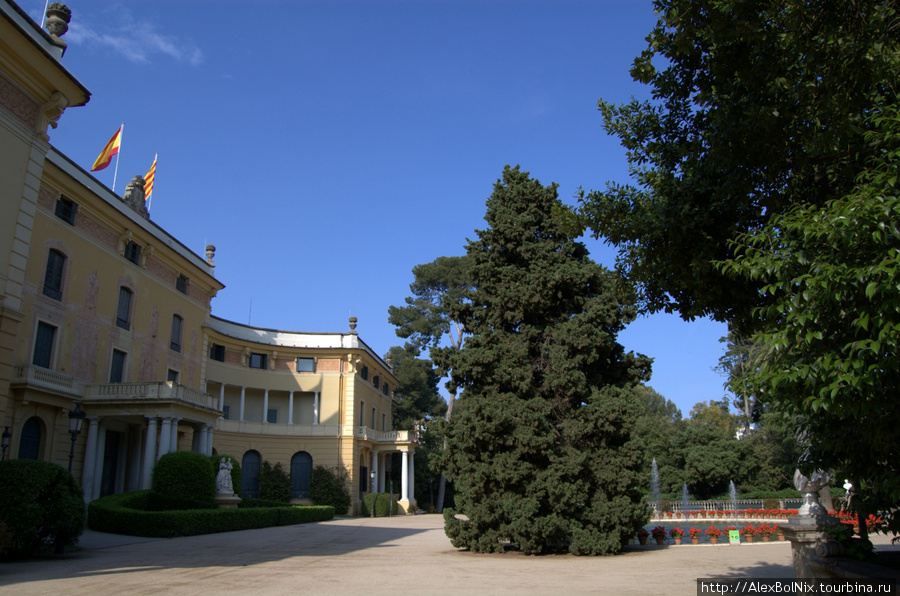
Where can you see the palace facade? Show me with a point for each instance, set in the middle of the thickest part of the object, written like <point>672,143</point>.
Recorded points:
<point>104,311</point>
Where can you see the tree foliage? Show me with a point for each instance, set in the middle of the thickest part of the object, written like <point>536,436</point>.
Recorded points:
<point>540,451</point>
<point>274,483</point>
<point>329,486</point>
<point>828,339</point>
<point>757,107</point>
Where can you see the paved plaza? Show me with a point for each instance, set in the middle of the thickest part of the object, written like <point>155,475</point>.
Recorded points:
<point>400,555</point>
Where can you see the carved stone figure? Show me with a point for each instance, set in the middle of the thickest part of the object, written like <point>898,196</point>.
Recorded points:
<point>810,488</point>
<point>223,478</point>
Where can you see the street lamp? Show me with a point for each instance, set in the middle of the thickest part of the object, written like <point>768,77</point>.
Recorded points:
<point>5,440</point>
<point>76,419</point>
<point>372,476</point>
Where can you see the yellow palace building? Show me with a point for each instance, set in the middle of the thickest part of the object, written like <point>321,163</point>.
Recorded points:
<point>103,312</point>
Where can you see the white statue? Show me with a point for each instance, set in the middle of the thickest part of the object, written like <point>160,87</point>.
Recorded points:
<point>223,478</point>
<point>810,488</point>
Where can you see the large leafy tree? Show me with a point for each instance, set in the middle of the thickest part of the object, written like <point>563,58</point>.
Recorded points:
<point>540,450</point>
<point>757,106</point>
<point>427,322</point>
<point>829,338</point>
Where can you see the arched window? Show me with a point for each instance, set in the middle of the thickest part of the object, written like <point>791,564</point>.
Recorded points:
<point>30,443</point>
<point>250,475</point>
<point>301,475</point>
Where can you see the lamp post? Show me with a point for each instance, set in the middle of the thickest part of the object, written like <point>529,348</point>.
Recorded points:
<point>372,476</point>
<point>5,441</point>
<point>76,419</point>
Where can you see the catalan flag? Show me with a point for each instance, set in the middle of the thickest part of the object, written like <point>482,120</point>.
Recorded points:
<point>112,148</point>
<point>148,180</point>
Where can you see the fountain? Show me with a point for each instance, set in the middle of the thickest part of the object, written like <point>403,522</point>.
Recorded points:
<point>685,497</point>
<point>654,485</point>
<point>732,495</point>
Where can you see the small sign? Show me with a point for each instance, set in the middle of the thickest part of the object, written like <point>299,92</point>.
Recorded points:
<point>734,537</point>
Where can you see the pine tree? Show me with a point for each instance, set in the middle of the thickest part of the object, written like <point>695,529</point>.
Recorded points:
<point>540,451</point>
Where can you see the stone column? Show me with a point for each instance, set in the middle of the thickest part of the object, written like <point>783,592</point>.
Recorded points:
<point>149,453</point>
<point>291,407</point>
<point>90,458</point>
<point>165,437</point>
<point>404,477</point>
<point>134,458</point>
<point>98,459</point>
<point>243,395</point>
<point>316,407</point>
<point>412,476</point>
<point>209,440</point>
<point>221,396</point>
<point>265,416</point>
<point>375,470</point>
<point>200,433</point>
<point>173,445</point>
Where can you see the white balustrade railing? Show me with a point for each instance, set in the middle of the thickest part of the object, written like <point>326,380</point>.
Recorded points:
<point>380,436</point>
<point>157,390</point>
<point>46,378</point>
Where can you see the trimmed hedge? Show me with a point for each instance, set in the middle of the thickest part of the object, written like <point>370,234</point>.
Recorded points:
<point>382,503</point>
<point>126,514</point>
<point>41,506</point>
<point>185,475</point>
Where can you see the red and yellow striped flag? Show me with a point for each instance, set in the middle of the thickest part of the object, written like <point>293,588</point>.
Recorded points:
<point>112,148</point>
<point>148,179</point>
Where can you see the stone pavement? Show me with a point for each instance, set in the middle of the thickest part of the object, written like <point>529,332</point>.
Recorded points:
<point>400,555</point>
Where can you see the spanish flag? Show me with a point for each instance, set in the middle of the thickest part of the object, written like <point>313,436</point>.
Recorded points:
<point>112,148</point>
<point>148,180</point>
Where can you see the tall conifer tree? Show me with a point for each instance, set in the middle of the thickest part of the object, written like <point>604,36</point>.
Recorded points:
<point>539,450</point>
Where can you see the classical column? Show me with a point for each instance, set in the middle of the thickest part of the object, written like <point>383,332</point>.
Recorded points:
<point>98,459</point>
<point>209,439</point>
<point>165,437</point>
<point>204,435</point>
<point>265,416</point>
<point>375,471</point>
<point>316,407</point>
<point>149,453</point>
<point>221,396</point>
<point>243,395</point>
<point>412,476</point>
<point>404,477</point>
<point>90,458</point>
<point>291,408</point>
<point>173,445</point>
<point>134,458</point>
<point>195,438</point>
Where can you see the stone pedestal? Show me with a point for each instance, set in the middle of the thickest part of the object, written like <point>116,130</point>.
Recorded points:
<point>227,501</point>
<point>804,532</point>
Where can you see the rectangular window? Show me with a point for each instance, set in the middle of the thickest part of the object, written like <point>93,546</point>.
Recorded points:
<point>384,422</point>
<point>362,413</point>
<point>172,376</point>
<point>386,389</point>
<point>217,352</point>
<point>373,419</point>
<point>181,284</point>
<point>117,367</point>
<point>364,373</point>
<point>175,342</point>
<point>66,210</point>
<point>53,276</point>
<point>43,345</point>
<point>306,365</point>
<point>123,312</point>
<point>375,381</point>
<point>272,416</point>
<point>226,412</point>
<point>133,252</point>
<point>258,360</point>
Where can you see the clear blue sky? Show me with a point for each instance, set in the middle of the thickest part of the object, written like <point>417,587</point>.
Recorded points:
<point>328,147</point>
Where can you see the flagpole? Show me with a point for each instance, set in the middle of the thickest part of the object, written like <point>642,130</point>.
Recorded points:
<point>116,173</point>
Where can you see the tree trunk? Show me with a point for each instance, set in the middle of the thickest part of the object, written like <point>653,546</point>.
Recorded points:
<point>439,505</point>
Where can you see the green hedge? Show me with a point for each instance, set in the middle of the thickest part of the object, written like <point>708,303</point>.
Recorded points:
<point>382,501</point>
<point>185,475</point>
<point>126,514</point>
<point>41,506</point>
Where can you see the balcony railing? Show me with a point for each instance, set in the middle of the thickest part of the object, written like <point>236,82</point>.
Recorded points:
<point>157,390</point>
<point>53,381</point>
<point>379,436</point>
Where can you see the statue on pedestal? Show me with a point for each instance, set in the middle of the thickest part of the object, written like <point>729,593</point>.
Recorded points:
<point>223,478</point>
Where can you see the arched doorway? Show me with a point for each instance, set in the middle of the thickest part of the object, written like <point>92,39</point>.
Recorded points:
<point>30,442</point>
<point>250,475</point>
<point>301,475</point>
